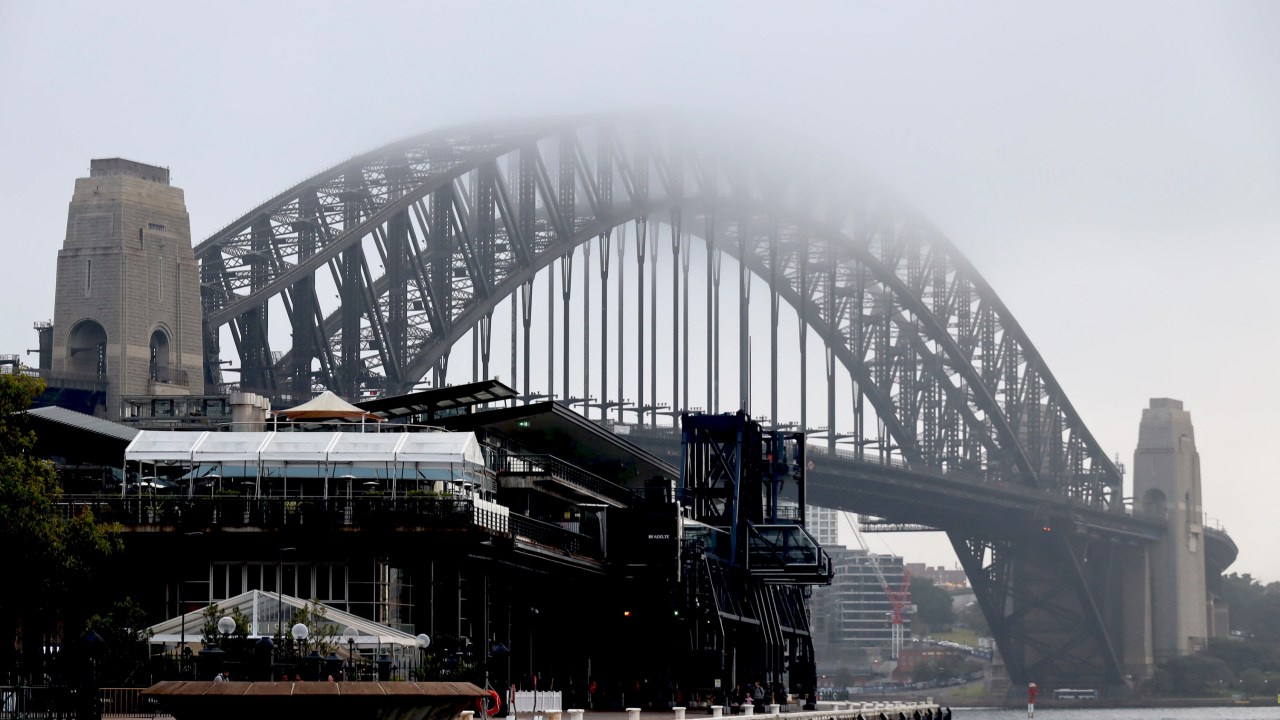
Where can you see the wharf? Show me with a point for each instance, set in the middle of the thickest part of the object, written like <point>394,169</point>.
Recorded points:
<point>825,711</point>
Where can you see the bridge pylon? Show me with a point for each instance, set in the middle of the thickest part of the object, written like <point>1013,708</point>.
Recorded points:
<point>127,317</point>
<point>1166,486</point>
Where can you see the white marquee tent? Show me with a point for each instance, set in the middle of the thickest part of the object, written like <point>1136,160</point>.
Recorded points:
<point>265,609</point>
<point>251,456</point>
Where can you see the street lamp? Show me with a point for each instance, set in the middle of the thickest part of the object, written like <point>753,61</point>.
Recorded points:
<point>350,634</point>
<point>424,642</point>
<point>299,633</point>
<point>279,585</point>
<point>226,626</point>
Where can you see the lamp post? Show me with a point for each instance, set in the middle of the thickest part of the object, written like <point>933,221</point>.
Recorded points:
<point>94,645</point>
<point>279,590</point>
<point>263,650</point>
<point>350,634</point>
<point>533,616</point>
<point>299,632</point>
<point>226,626</point>
<point>424,642</point>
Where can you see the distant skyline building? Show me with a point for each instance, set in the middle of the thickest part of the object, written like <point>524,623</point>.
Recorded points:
<point>852,616</point>
<point>948,579</point>
<point>823,524</point>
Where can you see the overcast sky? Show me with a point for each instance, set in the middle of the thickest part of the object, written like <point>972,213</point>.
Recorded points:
<point>1113,169</point>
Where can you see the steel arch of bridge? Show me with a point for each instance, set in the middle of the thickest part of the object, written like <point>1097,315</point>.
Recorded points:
<point>463,219</point>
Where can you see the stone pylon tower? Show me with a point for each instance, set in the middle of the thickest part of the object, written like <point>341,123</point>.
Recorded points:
<point>1166,484</point>
<point>127,300</point>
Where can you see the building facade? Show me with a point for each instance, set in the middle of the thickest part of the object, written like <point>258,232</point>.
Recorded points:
<point>852,618</point>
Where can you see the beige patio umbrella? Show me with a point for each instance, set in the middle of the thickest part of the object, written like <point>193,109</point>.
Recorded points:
<point>327,406</point>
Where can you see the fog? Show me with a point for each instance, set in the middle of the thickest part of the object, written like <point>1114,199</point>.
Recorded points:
<point>1112,170</point>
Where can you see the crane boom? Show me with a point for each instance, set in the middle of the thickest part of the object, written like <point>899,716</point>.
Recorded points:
<point>899,599</point>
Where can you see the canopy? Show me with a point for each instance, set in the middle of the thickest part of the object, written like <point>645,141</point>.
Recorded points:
<point>420,450</point>
<point>265,609</point>
<point>327,406</point>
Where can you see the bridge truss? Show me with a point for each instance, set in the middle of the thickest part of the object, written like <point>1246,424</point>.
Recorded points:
<point>418,243</point>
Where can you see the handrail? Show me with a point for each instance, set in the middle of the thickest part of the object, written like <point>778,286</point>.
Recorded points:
<point>536,463</point>
<point>234,510</point>
<point>549,535</point>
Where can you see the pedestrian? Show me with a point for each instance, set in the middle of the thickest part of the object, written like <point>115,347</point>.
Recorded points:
<point>218,678</point>
<point>757,693</point>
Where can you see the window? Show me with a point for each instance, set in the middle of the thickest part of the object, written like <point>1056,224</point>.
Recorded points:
<point>155,226</point>
<point>88,277</point>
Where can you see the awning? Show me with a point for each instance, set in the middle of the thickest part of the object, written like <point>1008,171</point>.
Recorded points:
<point>431,450</point>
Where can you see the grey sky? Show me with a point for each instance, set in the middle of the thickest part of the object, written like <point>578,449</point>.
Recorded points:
<point>1112,169</point>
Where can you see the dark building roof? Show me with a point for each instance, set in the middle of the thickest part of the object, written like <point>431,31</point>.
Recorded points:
<point>557,430</point>
<point>429,404</point>
<point>84,423</point>
<point>72,438</point>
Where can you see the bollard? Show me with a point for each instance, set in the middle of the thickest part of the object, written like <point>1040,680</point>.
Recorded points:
<point>717,711</point>
<point>748,709</point>
<point>574,714</point>
<point>633,713</point>
<point>679,713</point>
<point>774,708</point>
<point>467,714</point>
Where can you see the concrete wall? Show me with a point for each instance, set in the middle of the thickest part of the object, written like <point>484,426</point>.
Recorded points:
<point>1138,659</point>
<point>126,264</point>
<point>1166,482</point>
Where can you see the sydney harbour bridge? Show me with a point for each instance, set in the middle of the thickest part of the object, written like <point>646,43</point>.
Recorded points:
<point>939,410</point>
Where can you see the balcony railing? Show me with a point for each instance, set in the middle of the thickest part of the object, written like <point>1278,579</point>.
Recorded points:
<point>204,511</point>
<point>552,466</point>
<point>548,535</point>
<point>172,376</point>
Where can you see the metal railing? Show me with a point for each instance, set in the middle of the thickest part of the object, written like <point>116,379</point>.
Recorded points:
<point>172,376</point>
<point>68,378</point>
<point>548,535</point>
<point>539,464</point>
<point>363,510</point>
<point>46,702</point>
<point>126,702</point>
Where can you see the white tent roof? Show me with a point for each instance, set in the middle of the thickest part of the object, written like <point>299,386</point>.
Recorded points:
<point>297,447</point>
<point>439,449</point>
<point>327,406</point>
<point>263,610</point>
<point>366,447</point>
<point>171,446</point>
<point>229,447</point>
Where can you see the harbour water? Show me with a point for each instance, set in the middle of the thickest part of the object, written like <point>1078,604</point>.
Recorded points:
<point>1232,712</point>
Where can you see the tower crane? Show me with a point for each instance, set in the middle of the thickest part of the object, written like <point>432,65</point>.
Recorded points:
<point>899,598</point>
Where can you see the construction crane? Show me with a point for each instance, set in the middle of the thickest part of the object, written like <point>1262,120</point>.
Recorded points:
<point>899,599</point>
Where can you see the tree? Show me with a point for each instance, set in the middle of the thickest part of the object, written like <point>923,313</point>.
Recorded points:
<point>933,604</point>
<point>209,634</point>
<point>1193,675</point>
<point>123,628</point>
<point>1241,654</point>
<point>51,551</point>
<point>1255,608</point>
<point>971,616</point>
<point>322,635</point>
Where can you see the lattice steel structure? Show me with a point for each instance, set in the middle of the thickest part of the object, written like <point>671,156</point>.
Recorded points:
<point>423,238</point>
